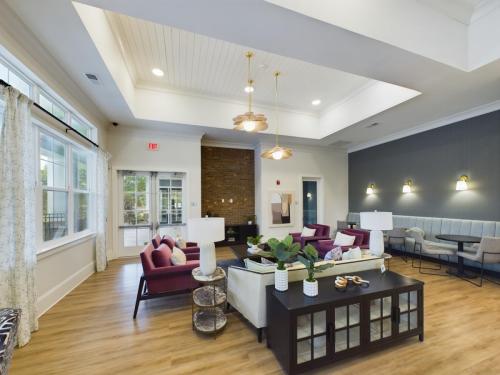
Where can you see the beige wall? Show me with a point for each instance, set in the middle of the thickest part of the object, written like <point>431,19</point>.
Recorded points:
<point>129,147</point>
<point>324,163</point>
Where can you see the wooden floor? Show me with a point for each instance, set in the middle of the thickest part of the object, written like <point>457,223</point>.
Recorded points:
<point>91,331</point>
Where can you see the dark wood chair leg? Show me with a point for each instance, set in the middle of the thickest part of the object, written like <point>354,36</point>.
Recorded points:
<point>139,294</point>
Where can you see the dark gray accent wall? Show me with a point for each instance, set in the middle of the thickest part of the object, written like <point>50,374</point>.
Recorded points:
<point>433,160</point>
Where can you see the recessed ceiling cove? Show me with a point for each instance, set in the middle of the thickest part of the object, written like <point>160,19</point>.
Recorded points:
<point>171,75</point>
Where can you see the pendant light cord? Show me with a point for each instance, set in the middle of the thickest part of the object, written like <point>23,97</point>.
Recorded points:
<point>276,75</point>
<point>250,82</point>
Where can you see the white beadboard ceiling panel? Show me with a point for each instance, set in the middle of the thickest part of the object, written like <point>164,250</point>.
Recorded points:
<point>198,64</point>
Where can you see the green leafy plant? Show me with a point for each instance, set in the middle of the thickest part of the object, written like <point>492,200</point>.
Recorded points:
<point>254,240</point>
<point>308,259</point>
<point>282,251</point>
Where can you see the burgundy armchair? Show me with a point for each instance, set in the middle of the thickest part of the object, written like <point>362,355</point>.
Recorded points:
<point>165,280</point>
<point>322,233</point>
<point>191,247</point>
<point>362,240</point>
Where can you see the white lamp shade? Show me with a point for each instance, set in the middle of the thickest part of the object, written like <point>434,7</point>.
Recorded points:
<point>206,230</point>
<point>376,220</point>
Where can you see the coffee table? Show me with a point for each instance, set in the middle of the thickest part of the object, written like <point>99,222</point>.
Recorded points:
<point>241,252</point>
<point>460,240</point>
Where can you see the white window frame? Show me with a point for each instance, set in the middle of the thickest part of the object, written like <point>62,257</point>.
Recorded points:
<point>171,176</point>
<point>43,246</point>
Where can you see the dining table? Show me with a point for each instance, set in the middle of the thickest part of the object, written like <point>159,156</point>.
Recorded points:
<point>460,241</point>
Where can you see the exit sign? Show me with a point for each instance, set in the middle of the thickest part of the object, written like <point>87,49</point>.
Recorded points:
<point>153,146</point>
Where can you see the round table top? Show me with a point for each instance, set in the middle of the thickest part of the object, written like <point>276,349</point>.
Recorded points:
<point>219,274</point>
<point>458,238</point>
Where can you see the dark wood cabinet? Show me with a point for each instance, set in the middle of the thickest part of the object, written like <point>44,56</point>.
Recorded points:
<point>237,234</point>
<point>306,333</point>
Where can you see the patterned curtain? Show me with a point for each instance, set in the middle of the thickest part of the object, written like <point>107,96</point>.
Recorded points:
<point>17,213</point>
<point>102,209</point>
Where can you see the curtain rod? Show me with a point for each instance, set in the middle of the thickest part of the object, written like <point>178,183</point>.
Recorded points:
<point>68,127</point>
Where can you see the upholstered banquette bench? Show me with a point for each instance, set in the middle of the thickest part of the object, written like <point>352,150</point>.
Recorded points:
<point>433,226</point>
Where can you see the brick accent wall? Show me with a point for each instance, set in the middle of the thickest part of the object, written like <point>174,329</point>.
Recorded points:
<point>228,173</point>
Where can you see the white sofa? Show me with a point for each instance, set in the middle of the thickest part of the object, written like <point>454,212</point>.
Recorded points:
<point>246,290</point>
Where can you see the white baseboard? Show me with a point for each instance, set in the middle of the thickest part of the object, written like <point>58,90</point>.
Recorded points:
<point>54,295</point>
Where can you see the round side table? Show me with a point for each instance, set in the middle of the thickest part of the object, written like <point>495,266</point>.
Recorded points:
<point>208,302</point>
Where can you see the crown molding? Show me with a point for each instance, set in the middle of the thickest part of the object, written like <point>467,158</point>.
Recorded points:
<point>474,112</point>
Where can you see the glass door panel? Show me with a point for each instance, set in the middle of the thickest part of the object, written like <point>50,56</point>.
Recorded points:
<point>346,327</point>
<point>311,336</point>
<point>408,311</point>
<point>380,318</point>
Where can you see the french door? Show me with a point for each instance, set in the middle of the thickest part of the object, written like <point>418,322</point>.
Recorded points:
<point>149,203</point>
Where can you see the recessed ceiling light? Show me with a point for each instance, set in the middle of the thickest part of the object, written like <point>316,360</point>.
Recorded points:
<point>249,89</point>
<point>316,102</point>
<point>157,72</point>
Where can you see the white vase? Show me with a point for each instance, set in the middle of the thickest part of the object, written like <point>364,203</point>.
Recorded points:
<point>281,280</point>
<point>311,288</point>
<point>208,263</point>
<point>253,249</point>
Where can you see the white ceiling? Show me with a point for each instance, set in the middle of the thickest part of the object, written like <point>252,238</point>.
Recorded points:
<point>459,10</point>
<point>445,89</point>
<point>198,64</point>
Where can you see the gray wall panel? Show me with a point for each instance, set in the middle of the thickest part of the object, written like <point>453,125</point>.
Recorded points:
<point>433,160</point>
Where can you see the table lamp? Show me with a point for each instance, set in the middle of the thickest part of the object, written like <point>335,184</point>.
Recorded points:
<point>205,231</point>
<point>376,222</point>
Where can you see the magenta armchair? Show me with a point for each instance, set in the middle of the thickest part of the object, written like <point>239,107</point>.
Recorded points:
<point>322,233</point>
<point>167,280</point>
<point>191,247</point>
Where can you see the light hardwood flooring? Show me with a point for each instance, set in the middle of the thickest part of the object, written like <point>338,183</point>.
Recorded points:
<point>91,331</point>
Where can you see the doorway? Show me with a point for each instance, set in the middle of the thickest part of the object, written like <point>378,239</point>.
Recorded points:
<point>309,201</point>
<point>150,203</point>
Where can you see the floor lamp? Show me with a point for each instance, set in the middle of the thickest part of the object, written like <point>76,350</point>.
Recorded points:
<point>376,222</point>
<point>205,231</point>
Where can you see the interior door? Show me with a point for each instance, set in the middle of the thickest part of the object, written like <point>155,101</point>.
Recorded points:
<point>136,218</point>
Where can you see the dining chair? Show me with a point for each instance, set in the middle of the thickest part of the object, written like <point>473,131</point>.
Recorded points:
<point>423,247</point>
<point>488,252</point>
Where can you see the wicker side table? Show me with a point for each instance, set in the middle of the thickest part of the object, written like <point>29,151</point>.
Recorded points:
<point>208,302</point>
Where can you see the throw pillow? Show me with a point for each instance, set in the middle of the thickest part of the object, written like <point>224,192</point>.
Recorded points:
<point>161,257</point>
<point>342,239</point>
<point>169,241</point>
<point>354,253</point>
<point>308,232</point>
<point>334,254</point>
<point>418,230</point>
<point>178,257</point>
<point>180,243</point>
<point>359,236</point>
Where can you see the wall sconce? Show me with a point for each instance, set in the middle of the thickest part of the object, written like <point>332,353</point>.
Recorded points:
<point>407,186</point>
<point>370,189</point>
<point>462,183</point>
<point>230,200</point>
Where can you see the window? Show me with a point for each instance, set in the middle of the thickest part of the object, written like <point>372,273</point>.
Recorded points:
<point>55,189</point>
<point>136,199</point>
<point>66,184</point>
<point>81,127</point>
<point>51,106</point>
<point>15,79</point>
<point>50,102</point>
<point>171,208</point>
<point>81,193</point>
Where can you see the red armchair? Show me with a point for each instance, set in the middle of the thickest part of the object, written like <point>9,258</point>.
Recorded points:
<point>166,280</point>
<point>322,233</point>
<point>191,247</point>
<point>362,240</point>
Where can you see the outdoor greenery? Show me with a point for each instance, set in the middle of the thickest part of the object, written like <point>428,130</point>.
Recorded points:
<point>308,259</point>
<point>282,251</point>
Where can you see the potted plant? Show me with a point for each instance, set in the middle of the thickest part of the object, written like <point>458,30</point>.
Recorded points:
<point>282,251</point>
<point>309,259</point>
<point>253,243</point>
<point>251,219</point>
